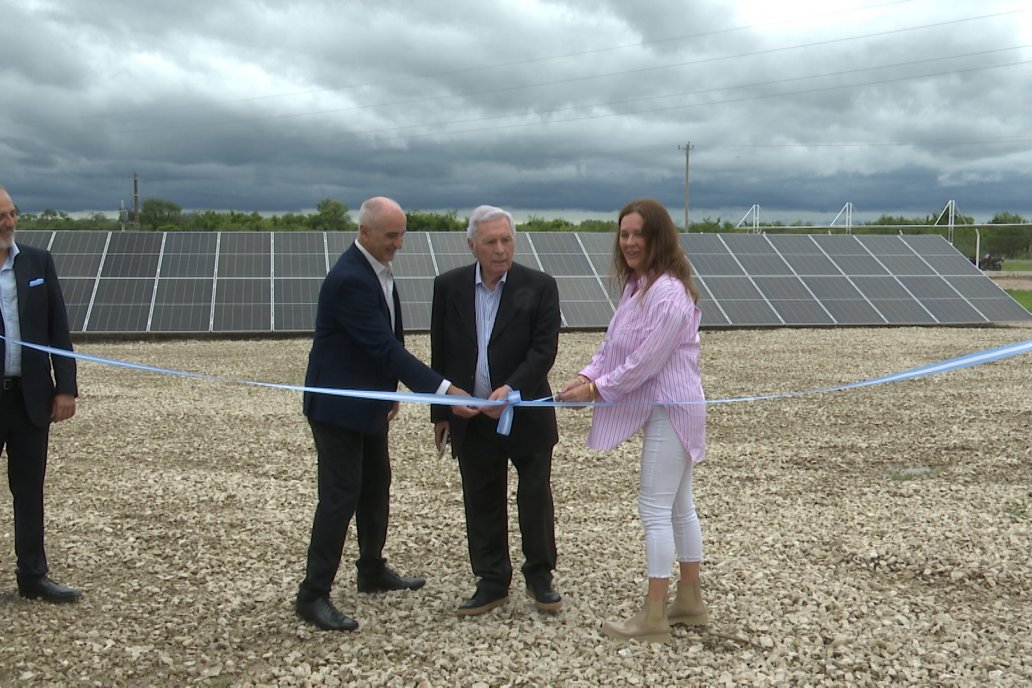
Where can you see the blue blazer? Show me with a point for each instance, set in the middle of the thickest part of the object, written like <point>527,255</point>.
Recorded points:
<point>43,320</point>
<point>355,348</point>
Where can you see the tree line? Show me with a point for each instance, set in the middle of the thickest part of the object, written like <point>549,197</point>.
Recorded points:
<point>1010,234</point>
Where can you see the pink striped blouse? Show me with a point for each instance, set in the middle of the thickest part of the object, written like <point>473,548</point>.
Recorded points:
<point>650,356</point>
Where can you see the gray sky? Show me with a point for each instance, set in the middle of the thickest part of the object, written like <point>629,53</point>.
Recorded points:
<point>542,105</point>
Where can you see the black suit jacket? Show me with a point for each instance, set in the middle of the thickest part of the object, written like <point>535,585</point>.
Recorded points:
<point>355,348</point>
<point>521,351</point>
<point>43,320</point>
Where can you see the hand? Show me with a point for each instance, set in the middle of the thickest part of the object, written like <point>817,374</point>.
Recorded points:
<point>440,427</point>
<point>575,382</point>
<point>500,394</point>
<point>462,411</point>
<point>578,389</point>
<point>393,413</point>
<point>63,407</point>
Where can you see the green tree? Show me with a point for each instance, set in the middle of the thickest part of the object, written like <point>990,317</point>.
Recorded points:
<point>1007,219</point>
<point>96,221</point>
<point>157,213</point>
<point>435,222</point>
<point>537,224</point>
<point>204,220</point>
<point>710,225</point>
<point>597,226</point>
<point>330,216</point>
<point>1009,241</point>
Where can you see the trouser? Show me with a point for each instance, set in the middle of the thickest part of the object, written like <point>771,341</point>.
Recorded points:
<point>354,481</point>
<point>665,501</point>
<point>26,468</point>
<point>484,464</point>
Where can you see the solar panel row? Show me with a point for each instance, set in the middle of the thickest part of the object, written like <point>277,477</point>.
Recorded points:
<point>187,282</point>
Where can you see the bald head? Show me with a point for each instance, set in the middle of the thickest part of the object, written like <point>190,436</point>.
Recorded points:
<point>8,222</point>
<point>381,227</point>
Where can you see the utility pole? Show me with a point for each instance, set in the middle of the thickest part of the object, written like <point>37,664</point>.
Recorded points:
<point>136,201</point>
<point>687,148</point>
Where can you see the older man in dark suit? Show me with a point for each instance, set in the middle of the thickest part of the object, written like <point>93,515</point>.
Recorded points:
<point>39,389</point>
<point>359,345</point>
<point>495,328</point>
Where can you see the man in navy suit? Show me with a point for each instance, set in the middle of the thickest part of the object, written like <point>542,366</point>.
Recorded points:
<point>495,329</point>
<point>39,389</point>
<point>358,344</point>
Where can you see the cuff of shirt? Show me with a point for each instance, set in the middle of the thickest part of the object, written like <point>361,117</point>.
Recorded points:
<point>443,387</point>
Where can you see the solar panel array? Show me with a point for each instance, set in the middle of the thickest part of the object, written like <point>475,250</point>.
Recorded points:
<point>235,282</point>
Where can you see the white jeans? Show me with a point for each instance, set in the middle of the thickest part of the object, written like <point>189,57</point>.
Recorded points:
<point>665,501</point>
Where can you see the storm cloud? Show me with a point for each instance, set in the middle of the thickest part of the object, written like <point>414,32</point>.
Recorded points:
<point>896,107</point>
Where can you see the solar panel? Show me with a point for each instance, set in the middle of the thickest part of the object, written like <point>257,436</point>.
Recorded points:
<point>187,282</point>
<point>35,237</point>
<point>242,305</point>
<point>78,254</point>
<point>182,305</point>
<point>78,294</point>
<point>807,264</point>
<point>295,301</point>
<point>339,242</point>
<point>189,254</point>
<point>121,305</point>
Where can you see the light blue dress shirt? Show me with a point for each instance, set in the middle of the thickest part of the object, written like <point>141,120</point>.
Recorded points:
<point>9,306</point>
<point>487,310</point>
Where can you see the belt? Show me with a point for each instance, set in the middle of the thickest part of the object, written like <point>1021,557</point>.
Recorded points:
<point>12,383</point>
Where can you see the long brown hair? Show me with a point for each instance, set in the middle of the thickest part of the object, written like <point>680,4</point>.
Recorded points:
<point>663,251</point>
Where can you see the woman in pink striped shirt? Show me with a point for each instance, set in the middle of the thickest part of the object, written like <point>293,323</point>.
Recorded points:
<point>648,369</point>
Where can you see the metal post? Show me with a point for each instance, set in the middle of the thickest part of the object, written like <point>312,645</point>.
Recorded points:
<point>136,201</point>
<point>687,148</point>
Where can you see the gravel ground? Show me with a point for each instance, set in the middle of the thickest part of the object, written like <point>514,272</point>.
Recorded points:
<point>870,537</point>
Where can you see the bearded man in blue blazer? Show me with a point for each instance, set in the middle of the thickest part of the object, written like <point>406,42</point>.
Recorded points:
<point>358,345</point>
<point>39,389</point>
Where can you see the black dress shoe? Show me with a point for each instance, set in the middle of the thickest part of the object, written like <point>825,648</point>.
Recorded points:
<point>545,598</point>
<point>481,602</point>
<point>389,580</point>
<point>43,588</point>
<point>321,612</point>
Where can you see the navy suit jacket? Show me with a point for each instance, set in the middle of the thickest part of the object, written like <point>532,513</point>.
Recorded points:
<point>355,348</point>
<point>43,320</point>
<point>520,353</point>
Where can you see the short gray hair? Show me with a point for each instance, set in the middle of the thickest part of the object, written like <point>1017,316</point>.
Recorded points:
<point>369,212</point>
<point>486,213</point>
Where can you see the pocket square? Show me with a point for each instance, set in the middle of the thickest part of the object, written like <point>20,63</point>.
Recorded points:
<point>36,282</point>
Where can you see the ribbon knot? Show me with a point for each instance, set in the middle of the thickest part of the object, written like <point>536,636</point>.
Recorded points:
<point>505,420</point>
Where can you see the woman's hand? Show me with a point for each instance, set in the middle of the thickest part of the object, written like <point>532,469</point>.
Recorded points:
<point>578,389</point>
<point>575,382</point>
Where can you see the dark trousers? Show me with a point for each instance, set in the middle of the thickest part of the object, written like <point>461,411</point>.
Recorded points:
<point>26,468</point>
<point>354,480</point>
<point>484,464</point>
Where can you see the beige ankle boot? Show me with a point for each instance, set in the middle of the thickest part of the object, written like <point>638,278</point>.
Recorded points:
<point>648,625</point>
<point>688,609</point>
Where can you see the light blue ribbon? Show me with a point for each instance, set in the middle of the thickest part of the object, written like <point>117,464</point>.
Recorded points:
<point>513,399</point>
<point>441,399</point>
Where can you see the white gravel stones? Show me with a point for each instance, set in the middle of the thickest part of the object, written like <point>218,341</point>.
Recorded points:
<point>872,537</point>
